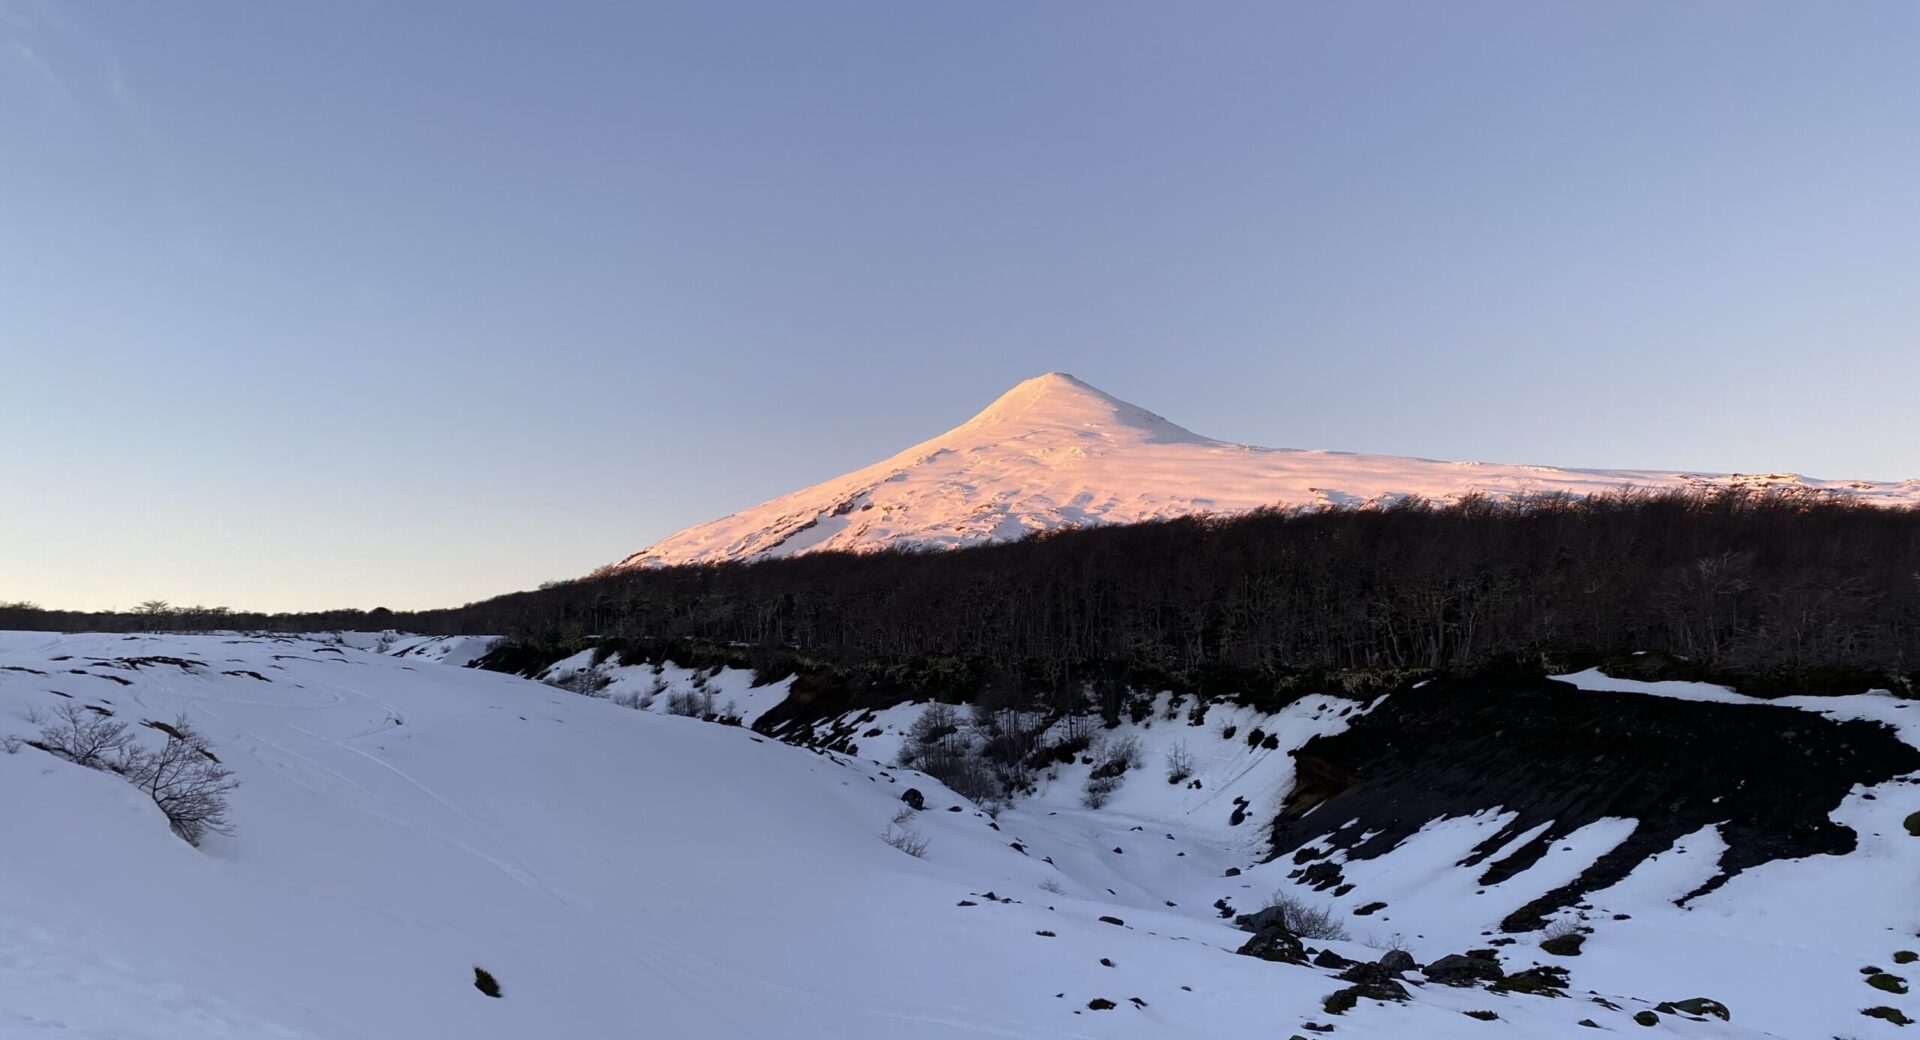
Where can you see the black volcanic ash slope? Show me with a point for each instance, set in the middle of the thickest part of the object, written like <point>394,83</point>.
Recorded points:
<point>1770,777</point>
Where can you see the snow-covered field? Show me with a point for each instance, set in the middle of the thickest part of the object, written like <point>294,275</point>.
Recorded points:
<point>1054,452</point>
<point>402,820</point>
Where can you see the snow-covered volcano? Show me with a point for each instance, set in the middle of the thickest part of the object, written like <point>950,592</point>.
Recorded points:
<point>1054,452</point>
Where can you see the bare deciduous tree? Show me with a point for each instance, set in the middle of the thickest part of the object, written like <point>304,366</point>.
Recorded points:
<point>185,780</point>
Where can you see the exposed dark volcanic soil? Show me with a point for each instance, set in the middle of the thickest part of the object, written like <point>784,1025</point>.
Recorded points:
<point>1769,777</point>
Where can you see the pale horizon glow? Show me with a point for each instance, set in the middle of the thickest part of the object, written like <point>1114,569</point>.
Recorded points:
<point>370,305</point>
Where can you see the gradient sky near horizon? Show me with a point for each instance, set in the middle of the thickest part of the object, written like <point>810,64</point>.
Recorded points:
<point>363,303</point>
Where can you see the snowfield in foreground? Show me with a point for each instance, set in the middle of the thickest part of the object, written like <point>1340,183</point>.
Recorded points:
<point>402,821</point>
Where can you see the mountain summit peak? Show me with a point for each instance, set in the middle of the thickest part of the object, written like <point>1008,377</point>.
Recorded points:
<point>1059,402</point>
<point>1054,452</point>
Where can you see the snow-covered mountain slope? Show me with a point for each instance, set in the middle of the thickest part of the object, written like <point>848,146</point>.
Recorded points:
<point>1054,452</point>
<point>400,823</point>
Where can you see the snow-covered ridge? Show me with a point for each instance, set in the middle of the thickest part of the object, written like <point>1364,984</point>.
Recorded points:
<point>1054,452</point>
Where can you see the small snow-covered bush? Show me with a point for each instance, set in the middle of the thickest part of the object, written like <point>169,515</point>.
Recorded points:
<point>1560,929</point>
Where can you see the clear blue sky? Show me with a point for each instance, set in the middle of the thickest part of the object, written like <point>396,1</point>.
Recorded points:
<point>318,304</point>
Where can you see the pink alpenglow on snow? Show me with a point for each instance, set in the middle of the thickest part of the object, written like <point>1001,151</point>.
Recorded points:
<point>1054,452</point>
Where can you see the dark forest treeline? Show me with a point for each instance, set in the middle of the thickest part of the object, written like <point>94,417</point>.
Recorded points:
<point>1785,592</point>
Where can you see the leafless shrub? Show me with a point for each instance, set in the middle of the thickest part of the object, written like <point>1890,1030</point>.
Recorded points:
<point>86,737</point>
<point>1112,761</point>
<point>1308,920</point>
<point>1392,943</point>
<point>906,839</point>
<point>692,704</point>
<point>587,682</point>
<point>11,744</point>
<point>183,776</point>
<point>903,817</point>
<point>1054,886</point>
<point>945,745</point>
<point>1179,762</point>
<point>1120,755</point>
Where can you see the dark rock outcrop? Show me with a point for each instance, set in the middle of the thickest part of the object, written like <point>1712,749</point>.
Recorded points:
<point>1559,758</point>
<point>1275,943</point>
<point>1397,961</point>
<point>1458,969</point>
<point>1698,1007</point>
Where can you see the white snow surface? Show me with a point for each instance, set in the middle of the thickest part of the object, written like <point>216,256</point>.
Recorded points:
<point>625,873</point>
<point>1054,452</point>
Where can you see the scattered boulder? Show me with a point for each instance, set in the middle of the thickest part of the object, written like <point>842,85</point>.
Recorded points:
<point>1484,1016</point>
<point>1888,1014</point>
<point>1275,943</point>
<point>1322,876</point>
<point>914,799</point>
<point>1380,987</point>
<point>484,981</point>
<point>1330,959</point>
<point>1261,920</point>
<point>1564,945</point>
<point>1543,981</point>
<point>1913,825</point>
<point>1233,872</point>
<point>1698,1007</point>
<point>1646,1018</point>
<point>1397,961</point>
<point>1457,969</point>
<point>1889,983</point>
<point>1100,1004</point>
<point>1905,957</point>
<point>1369,910</point>
<point>1111,920</point>
<point>1373,982</point>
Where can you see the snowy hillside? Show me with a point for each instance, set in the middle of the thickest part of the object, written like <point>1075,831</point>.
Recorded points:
<point>1054,452</point>
<point>620,872</point>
